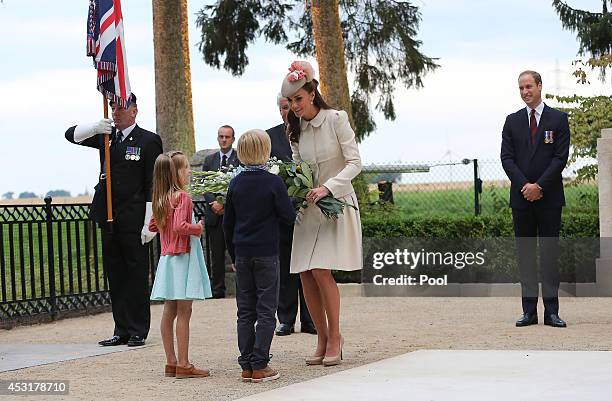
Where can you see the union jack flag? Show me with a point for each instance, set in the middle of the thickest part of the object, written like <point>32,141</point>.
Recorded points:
<point>105,43</point>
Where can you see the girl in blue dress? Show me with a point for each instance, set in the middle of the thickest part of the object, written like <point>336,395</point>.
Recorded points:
<point>181,273</point>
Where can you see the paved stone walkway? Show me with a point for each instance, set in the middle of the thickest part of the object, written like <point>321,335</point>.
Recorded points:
<point>463,376</point>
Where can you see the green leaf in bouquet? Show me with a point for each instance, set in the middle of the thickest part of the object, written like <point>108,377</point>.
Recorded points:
<point>289,182</point>
<point>297,182</point>
<point>302,193</point>
<point>306,180</point>
<point>306,169</point>
<point>292,190</point>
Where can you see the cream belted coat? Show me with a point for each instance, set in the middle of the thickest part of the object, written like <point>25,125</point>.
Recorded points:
<point>327,144</point>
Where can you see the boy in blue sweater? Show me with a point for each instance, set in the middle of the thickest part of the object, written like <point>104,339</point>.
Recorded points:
<point>256,201</point>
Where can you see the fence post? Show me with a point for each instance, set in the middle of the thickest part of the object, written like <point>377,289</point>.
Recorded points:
<point>477,188</point>
<point>51,257</point>
<point>385,191</point>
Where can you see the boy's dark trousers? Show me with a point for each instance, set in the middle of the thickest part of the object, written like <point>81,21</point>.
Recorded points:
<point>257,284</point>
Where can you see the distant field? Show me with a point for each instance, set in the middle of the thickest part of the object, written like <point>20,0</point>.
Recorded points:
<point>40,201</point>
<point>430,199</point>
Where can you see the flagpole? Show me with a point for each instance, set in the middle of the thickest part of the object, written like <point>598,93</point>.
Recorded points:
<point>107,173</point>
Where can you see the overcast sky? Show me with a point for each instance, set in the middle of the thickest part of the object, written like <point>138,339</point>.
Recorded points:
<point>48,84</point>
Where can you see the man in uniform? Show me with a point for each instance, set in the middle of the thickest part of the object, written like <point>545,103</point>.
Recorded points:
<point>133,152</point>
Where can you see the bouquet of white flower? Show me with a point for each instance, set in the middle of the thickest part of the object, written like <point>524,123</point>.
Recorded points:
<point>299,181</point>
<point>215,182</point>
<point>297,177</point>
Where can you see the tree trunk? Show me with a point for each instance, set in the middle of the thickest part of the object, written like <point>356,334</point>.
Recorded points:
<point>330,55</point>
<point>174,110</point>
<point>332,69</point>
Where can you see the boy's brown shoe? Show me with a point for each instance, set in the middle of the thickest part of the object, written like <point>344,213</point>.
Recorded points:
<point>264,375</point>
<point>247,375</point>
<point>191,371</point>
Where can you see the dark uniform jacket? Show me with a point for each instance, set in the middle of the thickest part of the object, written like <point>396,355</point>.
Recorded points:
<point>132,163</point>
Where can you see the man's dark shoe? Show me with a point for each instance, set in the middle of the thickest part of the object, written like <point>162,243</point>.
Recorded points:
<point>136,341</point>
<point>114,340</point>
<point>527,320</point>
<point>285,329</point>
<point>554,321</point>
<point>308,328</point>
<point>218,296</point>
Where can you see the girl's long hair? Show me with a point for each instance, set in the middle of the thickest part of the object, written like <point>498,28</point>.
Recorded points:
<point>294,121</point>
<point>165,184</point>
<point>180,161</point>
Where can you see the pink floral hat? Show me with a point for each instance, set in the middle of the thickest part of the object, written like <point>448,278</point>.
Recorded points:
<point>300,72</point>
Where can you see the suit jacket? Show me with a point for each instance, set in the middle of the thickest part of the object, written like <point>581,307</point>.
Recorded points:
<point>281,149</point>
<point>132,177</point>
<point>212,162</point>
<point>541,163</point>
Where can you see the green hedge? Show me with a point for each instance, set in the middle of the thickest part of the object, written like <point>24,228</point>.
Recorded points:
<point>573,225</point>
<point>390,225</point>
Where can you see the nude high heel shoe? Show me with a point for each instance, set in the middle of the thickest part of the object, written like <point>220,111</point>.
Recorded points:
<point>334,360</point>
<point>315,360</point>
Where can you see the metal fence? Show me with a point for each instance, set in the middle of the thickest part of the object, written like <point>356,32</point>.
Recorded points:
<point>462,187</point>
<point>51,262</point>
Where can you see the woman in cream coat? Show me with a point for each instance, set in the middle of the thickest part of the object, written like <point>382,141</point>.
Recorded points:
<point>323,138</point>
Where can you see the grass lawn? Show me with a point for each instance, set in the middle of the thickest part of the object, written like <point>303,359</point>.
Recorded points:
<point>579,198</point>
<point>25,255</point>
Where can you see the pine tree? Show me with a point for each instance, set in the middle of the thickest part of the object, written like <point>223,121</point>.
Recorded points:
<point>594,33</point>
<point>379,38</point>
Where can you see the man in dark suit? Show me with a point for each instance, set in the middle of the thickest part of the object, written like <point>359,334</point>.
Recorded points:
<point>290,285</point>
<point>213,219</point>
<point>124,245</point>
<point>534,152</point>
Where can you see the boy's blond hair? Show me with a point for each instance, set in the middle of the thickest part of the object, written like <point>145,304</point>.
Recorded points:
<point>254,147</point>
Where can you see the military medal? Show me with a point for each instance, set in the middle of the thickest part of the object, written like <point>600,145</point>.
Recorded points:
<point>132,153</point>
<point>549,136</point>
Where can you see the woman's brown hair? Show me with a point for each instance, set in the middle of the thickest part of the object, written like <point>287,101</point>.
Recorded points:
<point>293,120</point>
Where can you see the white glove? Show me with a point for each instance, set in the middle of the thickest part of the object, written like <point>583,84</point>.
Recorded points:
<point>145,234</point>
<point>84,131</point>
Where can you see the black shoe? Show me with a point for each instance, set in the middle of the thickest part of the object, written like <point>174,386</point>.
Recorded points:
<point>308,328</point>
<point>527,320</point>
<point>218,296</point>
<point>114,340</point>
<point>285,329</point>
<point>136,341</point>
<point>554,321</point>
